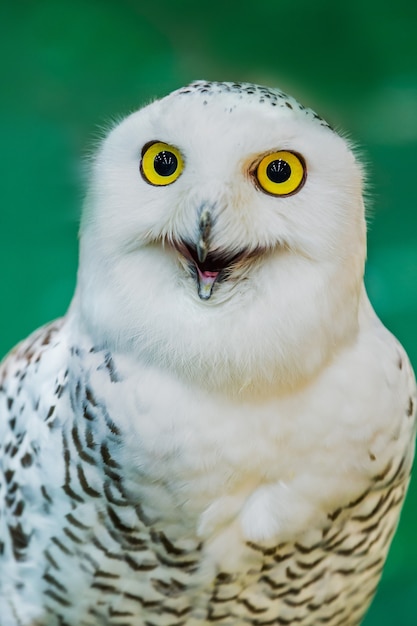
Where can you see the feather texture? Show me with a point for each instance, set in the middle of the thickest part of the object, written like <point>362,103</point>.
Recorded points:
<point>171,460</point>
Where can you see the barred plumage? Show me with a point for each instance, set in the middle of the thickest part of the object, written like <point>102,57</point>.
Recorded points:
<point>106,552</point>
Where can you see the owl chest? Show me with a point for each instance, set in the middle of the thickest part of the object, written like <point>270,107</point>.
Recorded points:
<point>198,450</point>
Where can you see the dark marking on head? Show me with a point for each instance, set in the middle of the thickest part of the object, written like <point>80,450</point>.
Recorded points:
<point>250,92</point>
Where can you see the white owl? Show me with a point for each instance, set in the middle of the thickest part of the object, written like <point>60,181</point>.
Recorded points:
<point>220,430</point>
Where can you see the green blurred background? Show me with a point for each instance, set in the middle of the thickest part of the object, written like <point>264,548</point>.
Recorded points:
<point>71,67</point>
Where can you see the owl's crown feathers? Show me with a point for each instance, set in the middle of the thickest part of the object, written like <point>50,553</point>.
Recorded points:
<point>224,237</point>
<point>248,92</point>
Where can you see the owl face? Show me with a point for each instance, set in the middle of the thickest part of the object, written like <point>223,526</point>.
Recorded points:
<point>220,198</point>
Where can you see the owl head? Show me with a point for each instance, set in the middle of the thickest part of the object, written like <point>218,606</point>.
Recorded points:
<point>223,238</point>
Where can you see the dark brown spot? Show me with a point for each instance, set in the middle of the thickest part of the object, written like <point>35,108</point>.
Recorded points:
<point>278,558</point>
<point>374,511</point>
<point>90,491</point>
<point>102,574</point>
<point>50,412</point>
<point>57,598</point>
<point>59,390</point>
<point>148,604</point>
<point>67,484</point>
<point>334,515</point>
<point>271,583</point>
<point>308,566</point>
<point>306,549</point>
<point>87,414</point>
<point>212,617</point>
<point>72,536</point>
<point>190,565</point>
<point>112,426</point>
<point>8,475</point>
<point>75,522</point>
<point>53,581</point>
<point>46,495</point>
<point>104,588</point>
<point>20,541</point>
<point>291,574</point>
<point>26,460</point>
<point>90,397</point>
<point>19,508</point>
<point>145,566</point>
<point>117,522</point>
<point>51,560</point>
<point>114,613</point>
<point>251,607</point>
<point>107,457</point>
<point>294,603</point>
<point>160,537</point>
<point>225,578</point>
<point>61,546</point>
<point>171,589</point>
<point>110,367</point>
<point>109,489</point>
<point>263,550</point>
<point>79,447</point>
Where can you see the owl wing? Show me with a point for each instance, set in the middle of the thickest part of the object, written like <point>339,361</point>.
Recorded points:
<point>32,378</point>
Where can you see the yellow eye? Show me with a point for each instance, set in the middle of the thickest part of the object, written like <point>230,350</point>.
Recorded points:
<point>281,173</point>
<point>161,163</point>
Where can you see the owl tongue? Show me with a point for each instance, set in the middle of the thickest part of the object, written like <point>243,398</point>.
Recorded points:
<point>206,281</point>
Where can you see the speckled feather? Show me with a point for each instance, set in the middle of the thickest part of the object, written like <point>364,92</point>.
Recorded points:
<point>248,91</point>
<point>136,492</point>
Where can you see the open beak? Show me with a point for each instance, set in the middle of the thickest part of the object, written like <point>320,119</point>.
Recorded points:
<point>207,265</point>
<point>206,277</point>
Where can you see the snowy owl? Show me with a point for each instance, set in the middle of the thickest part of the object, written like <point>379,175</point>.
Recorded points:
<point>220,430</point>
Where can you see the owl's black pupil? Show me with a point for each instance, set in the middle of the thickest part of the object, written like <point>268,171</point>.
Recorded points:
<point>278,171</point>
<point>165,163</point>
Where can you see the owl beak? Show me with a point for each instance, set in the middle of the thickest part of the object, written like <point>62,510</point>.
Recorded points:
<point>207,265</point>
<point>216,265</point>
<point>205,278</point>
<point>204,231</point>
